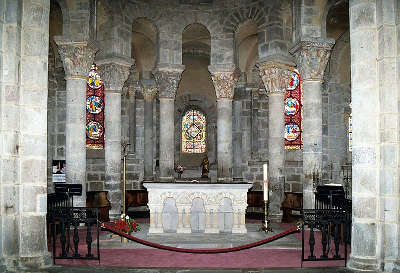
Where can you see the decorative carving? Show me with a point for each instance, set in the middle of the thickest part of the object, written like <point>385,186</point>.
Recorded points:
<point>312,58</point>
<point>132,83</point>
<point>224,83</point>
<point>114,75</point>
<point>149,91</point>
<point>275,76</point>
<point>168,82</point>
<point>77,57</point>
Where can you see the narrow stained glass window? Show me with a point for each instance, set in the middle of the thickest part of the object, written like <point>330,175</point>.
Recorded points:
<point>194,132</point>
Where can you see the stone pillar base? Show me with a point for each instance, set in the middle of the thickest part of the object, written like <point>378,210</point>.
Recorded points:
<point>363,263</point>
<point>211,230</point>
<point>224,179</point>
<point>148,179</point>
<point>184,230</point>
<point>167,179</point>
<point>34,263</point>
<point>241,229</point>
<point>114,216</point>
<point>156,230</point>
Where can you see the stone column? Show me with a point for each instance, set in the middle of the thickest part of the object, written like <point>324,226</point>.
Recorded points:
<point>114,73</point>
<point>167,80</point>
<point>149,92</point>
<point>312,56</point>
<point>237,134</point>
<point>133,85</point>
<point>77,57</point>
<point>223,83</point>
<point>255,155</point>
<point>276,77</point>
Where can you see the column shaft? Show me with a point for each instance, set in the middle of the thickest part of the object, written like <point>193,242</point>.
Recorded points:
<point>112,151</point>
<point>167,145</point>
<point>224,140</point>
<point>276,154</point>
<point>75,134</point>
<point>312,138</point>
<point>148,139</point>
<point>366,154</point>
<point>237,141</point>
<point>132,122</point>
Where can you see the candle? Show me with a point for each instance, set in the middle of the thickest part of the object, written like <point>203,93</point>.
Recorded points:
<point>265,169</point>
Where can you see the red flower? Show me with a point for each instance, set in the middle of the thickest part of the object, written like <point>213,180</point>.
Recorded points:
<point>134,226</point>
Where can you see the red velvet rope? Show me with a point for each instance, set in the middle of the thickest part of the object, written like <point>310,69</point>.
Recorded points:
<point>110,227</point>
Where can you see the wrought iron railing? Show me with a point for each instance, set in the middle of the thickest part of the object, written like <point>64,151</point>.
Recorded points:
<point>82,222</point>
<point>328,227</point>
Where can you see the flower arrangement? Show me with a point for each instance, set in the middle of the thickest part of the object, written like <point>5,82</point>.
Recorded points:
<point>126,224</point>
<point>179,169</point>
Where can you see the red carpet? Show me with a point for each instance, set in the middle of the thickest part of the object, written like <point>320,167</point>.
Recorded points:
<point>251,258</point>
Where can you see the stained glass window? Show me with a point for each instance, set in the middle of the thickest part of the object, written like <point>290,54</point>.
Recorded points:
<point>194,132</point>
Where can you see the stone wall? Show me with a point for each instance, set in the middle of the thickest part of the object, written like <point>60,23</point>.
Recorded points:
<point>336,99</point>
<point>56,113</point>
<point>294,171</point>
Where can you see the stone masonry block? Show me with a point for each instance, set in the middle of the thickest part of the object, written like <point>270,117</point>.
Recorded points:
<point>366,246</point>
<point>10,75</point>
<point>34,96</point>
<point>34,171</point>
<point>364,155</point>
<point>389,155</point>
<point>32,234</point>
<point>10,196</point>
<point>34,145</point>
<point>388,210</point>
<point>363,15</point>
<point>12,39</point>
<point>10,117</point>
<point>30,198</point>
<point>33,120</point>
<point>364,207</point>
<point>33,14</point>
<point>34,42</point>
<point>13,11</point>
<point>386,41</point>
<point>10,235</point>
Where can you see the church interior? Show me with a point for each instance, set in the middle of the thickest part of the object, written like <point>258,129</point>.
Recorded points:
<point>201,118</point>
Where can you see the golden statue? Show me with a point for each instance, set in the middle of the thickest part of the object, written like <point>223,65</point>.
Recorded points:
<point>205,167</point>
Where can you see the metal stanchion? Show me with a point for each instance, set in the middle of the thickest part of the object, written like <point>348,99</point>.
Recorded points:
<point>124,144</point>
<point>265,226</point>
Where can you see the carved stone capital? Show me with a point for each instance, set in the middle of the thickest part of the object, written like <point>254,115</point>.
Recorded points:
<point>168,81</point>
<point>77,56</point>
<point>114,73</point>
<point>275,76</point>
<point>149,91</point>
<point>224,83</point>
<point>133,83</point>
<point>312,57</point>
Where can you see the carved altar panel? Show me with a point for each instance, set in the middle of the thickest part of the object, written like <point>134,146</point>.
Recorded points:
<point>212,195</point>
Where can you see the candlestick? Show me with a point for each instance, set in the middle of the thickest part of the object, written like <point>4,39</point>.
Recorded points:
<point>265,169</point>
<point>265,225</point>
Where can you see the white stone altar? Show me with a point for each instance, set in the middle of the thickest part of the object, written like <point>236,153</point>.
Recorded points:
<point>197,207</point>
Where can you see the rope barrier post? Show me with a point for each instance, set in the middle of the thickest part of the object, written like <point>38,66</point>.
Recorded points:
<point>124,144</point>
